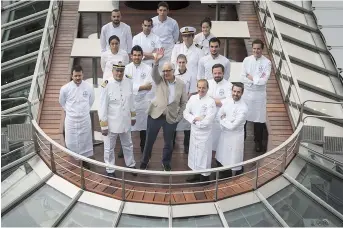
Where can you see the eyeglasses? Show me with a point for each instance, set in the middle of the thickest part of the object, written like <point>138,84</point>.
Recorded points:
<point>166,71</point>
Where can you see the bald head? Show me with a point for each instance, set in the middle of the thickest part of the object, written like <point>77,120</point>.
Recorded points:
<point>168,71</point>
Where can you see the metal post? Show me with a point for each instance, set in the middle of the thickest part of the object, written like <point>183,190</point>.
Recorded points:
<point>170,195</point>
<point>216,193</point>
<point>52,160</point>
<point>123,186</point>
<point>284,158</point>
<point>226,48</point>
<point>82,175</point>
<point>95,77</point>
<point>99,24</point>
<point>217,12</point>
<point>256,175</point>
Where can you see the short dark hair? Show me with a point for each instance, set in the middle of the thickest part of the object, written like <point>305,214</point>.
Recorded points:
<point>114,37</point>
<point>116,10</point>
<point>217,65</point>
<point>206,20</point>
<point>136,48</point>
<point>258,41</point>
<point>238,84</point>
<point>148,20</point>
<point>163,4</point>
<point>181,56</point>
<point>203,80</point>
<point>214,40</point>
<point>76,68</point>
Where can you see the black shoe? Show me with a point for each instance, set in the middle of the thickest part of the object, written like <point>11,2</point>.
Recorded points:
<point>121,154</point>
<point>133,174</point>
<point>239,172</point>
<point>86,165</point>
<point>204,179</point>
<point>113,175</point>
<point>194,178</point>
<point>225,174</point>
<point>166,167</point>
<point>143,166</point>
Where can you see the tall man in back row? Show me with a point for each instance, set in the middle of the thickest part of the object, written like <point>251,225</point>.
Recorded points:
<point>255,74</point>
<point>165,111</point>
<point>77,98</point>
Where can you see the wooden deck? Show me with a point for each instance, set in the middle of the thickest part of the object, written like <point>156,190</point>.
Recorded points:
<point>51,119</point>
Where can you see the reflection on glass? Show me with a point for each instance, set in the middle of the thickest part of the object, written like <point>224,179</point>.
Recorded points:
<point>25,29</point>
<point>31,9</point>
<point>325,185</point>
<point>255,215</point>
<point>300,211</point>
<point>84,215</point>
<point>18,73</point>
<point>23,92</point>
<point>20,50</point>
<point>42,208</point>
<point>198,221</point>
<point>127,220</point>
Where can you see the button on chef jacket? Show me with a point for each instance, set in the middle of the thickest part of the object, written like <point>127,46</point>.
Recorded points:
<point>123,31</point>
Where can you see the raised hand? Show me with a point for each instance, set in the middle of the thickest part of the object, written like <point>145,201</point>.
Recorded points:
<point>158,54</point>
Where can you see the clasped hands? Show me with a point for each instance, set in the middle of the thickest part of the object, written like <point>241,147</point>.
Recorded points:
<point>105,132</point>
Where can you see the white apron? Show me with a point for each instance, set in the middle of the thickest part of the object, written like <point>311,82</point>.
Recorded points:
<point>255,95</point>
<point>78,135</point>
<point>230,149</point>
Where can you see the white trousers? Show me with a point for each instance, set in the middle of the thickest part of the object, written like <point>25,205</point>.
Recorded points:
<point>126,143</point>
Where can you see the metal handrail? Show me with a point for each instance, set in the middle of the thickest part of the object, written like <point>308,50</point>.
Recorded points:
<point>164,173</point>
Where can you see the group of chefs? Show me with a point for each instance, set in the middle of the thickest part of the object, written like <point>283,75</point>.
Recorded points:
<point>179,86</point>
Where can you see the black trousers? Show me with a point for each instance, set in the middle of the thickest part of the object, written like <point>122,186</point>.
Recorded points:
<point>258,131</point>
<point>154,126</point>
<point>142,136</point>
<point>185,139</point>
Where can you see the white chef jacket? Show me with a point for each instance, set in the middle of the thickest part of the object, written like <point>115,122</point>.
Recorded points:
<point>230,149</point>
<point>116,105</point>
<point>200,148</point>
<point>221,90</point>
<point>204,42</point>
<point>108,59</point>
<point>123,31</point>
<point>193,54</point>
<point>255,95</point>
<point>140,75</point>
<point>148,43</point>
<point>191,87</point>
<point>206,63</point>
<point>77,102</point>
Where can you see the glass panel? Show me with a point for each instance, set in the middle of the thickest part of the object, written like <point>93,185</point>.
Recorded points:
<point>42,208</point>
<point>11,157</point>
<point>298,210</point>
<point>23,92</point>
<point>20,50</point>
<point>255,215</point>
<point>31,9</point>
<point>325,185</point>
<point>198,221</point>
<point>25,29</point>
<point>84,215</point>
<point>141,221</point>
<point>12,120</point>
<point>18,73</point>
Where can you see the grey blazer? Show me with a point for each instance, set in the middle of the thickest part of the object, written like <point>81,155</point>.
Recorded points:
<point>159,105</point>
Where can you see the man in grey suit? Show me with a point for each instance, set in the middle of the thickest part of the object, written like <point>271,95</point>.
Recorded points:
<point>166,110</point>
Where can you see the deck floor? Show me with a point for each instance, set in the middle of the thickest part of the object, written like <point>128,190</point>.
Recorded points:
<point>51,120</point>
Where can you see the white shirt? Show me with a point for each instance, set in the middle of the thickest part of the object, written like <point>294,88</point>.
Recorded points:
<point>220,90</point>
<point>171,88</point>
<point>168,31</point>
<point>192,53</point>
<point>77,100</point>
<point>204,42</point>
<point>206,63</point>
<point>116,105</point>
<point>108,59</point>
<point>204,107</point>
<point>123,31</point>
<point>148,43</point>
<point>189,79</point>
<point>140,75</point>
<point>260,70</point>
